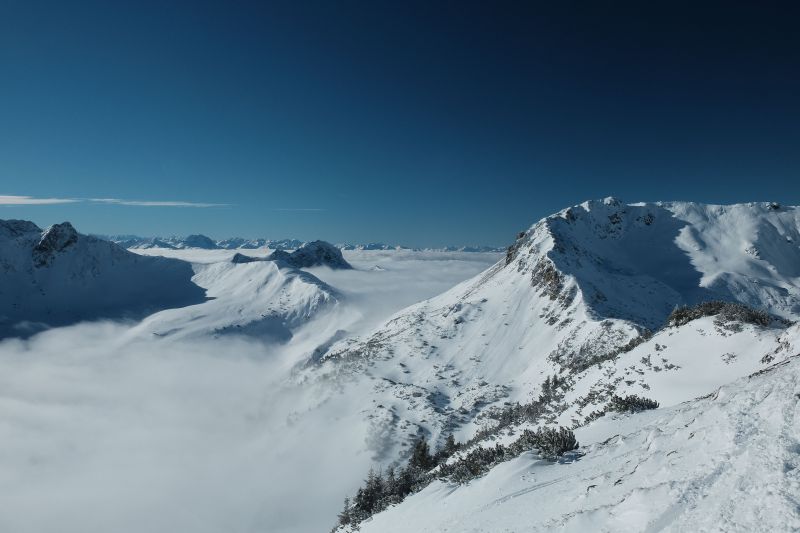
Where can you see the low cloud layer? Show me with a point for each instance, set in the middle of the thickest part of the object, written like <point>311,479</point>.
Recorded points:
<point>102,433</point>
<point>103,428</point>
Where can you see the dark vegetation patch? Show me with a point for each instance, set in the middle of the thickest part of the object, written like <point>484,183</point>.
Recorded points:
<point>381,490</point>
<point>725,312</point>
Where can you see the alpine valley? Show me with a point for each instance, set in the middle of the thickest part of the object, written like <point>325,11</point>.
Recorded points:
<point>619,367</point>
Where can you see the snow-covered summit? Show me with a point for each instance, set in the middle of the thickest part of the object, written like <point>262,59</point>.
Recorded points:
<point>582,299</point>
<point>637,262</point>
<point>316,253</point>
<point>55,239</point>
<point>58,276</point>
<point>576,293</point>
<point>249,296</point>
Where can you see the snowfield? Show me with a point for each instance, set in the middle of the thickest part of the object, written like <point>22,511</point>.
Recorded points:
<point>726,462</point>
<point>261,405</point>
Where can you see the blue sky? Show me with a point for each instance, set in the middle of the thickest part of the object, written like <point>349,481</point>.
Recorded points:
<point>418,123</point>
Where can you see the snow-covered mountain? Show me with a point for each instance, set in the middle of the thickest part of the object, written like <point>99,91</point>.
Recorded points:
<point>582,312</point>
<point>584,295</point>
<point>57,276</point>
<point>312,254</point>
<point>238,243</point>
<point>264,299</point>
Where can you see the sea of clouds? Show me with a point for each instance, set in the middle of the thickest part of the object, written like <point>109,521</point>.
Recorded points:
<point>105,430</point>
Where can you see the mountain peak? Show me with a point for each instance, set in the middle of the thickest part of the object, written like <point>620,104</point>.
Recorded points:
<point>77,277</point>
<point>199,241</point>
<point>638,261</point>
<point>56,238</point>
<point>311,254</point>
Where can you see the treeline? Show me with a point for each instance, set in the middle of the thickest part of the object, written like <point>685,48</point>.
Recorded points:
<point>513,414</point>
<point>381,490</point>
<point>550,444</point>
<point>623,404</point>
<point>725,312</point>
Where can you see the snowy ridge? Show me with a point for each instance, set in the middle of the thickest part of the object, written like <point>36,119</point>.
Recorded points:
<point>264,299</point>
<point>578,296</point>
<point>636,262</point>
<point>57,276</point>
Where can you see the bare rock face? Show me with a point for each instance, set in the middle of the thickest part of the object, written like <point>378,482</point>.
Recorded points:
<point>55,239</point>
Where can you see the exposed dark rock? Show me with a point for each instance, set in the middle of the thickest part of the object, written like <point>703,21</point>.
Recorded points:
<point>57,238</point>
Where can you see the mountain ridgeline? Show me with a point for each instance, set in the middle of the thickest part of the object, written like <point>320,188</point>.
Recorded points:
<point>599,311</point>
<point>57,276</point>
<point>135,242</point>
<point>311,254</point>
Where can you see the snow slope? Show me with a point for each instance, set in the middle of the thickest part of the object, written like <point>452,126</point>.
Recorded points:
<point>727,462</point>
<point>576,293</point>
<point>57,276</point>
<point>265,299</point>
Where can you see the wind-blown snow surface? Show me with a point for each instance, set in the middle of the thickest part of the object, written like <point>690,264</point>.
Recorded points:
<point>726,462</point>
<point>57,276</point>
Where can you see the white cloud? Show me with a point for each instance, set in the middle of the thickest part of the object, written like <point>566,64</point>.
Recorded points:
<point>30,200</point>
<point>296,209</point>
<point>154,203</point>
<point>162,436</point>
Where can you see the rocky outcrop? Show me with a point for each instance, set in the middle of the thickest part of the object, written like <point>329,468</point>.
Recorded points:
<point>317,253</point>
<point>55,239</point>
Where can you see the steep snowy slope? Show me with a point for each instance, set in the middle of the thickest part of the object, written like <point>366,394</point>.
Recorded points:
<point>726,462</point>
<point>636,262</point>
<point>260,298</point>
<point>57,276</point>
<point>575,296</point>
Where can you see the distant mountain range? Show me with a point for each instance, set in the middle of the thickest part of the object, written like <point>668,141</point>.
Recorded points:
<point>236,243</point>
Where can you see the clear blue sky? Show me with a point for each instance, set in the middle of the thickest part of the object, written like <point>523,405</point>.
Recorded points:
<point>422,123</point>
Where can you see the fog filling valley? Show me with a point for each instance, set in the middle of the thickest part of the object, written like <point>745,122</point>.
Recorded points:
<point>113,430</point>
